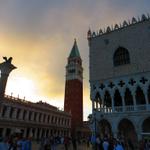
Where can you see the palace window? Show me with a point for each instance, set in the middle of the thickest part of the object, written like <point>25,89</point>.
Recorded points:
<point>4,111</point>
<point>121,57</point>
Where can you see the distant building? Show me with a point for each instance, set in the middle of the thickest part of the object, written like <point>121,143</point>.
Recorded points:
<point>74,88</point>
<point>36,120</point>
<point>120,79</point>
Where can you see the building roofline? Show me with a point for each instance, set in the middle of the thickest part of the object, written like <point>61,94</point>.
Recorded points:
<point>117,27</point>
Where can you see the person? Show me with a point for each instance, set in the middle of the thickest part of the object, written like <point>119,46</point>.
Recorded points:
<point>98,142</point>
<point>88,142</point>
<point>118,146</point>
<point>105,144</point>
<point>24,141</point>
<point>28,144</point>
<point>130,144</point>
<point>66,142</point>
<point>74,143</point>
<point>93,141</point>
<point>19,143</point>
<point>3,145</point>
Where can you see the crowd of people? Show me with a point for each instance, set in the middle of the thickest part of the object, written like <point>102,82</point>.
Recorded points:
<point>15,143</point>
<point>118,144</point>
<point>68,143</point>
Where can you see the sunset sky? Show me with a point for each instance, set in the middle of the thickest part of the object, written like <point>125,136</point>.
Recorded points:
<point>39,35</point>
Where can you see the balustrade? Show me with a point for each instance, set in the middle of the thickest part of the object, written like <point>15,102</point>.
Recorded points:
<point>130,108</point>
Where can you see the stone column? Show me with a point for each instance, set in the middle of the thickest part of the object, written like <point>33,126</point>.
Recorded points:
<point>7,115</point>
<point>35,133</point>
<point>27,115</point>
<point>134,101</point>
<point>112,100</point>
<point>138,131</point>
<point>30,132</point>
<point>42,115</point>
<point>40,134</point>
<point>4,132</point>
<point>21,114</point>
<point>14,113</point>
<point>44,132</point>
<point>93,106</point>
<point>32,115</point>
<point>146,98</point>
<point>25,132</point>
<point>5,68</point>
<point>114,130</point>
<point>123,101</point>
<point>96,105</point>
<point>37,117</point>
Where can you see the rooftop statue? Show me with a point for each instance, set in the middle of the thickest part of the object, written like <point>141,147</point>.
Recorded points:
<point>8,60</point>
<point>6,67</point>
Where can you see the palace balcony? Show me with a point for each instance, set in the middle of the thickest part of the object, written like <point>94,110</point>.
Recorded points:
<point>124,109</point>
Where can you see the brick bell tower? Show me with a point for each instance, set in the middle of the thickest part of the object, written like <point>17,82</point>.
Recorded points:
<point>74,88</point>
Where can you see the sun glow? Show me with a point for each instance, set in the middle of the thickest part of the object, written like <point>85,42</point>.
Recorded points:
<point>22,87</point>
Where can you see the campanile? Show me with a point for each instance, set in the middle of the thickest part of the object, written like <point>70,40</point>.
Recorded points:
<point>74,88</point>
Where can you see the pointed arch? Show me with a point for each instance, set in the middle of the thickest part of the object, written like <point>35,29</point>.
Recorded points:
<point>117,98</point>
<point>146,125</point>
<point>121,57</point>
<point>128,97</point>
<point>98,97</point>
<point>126,129</point>
<point>104,128</point>
<point>140,98</point>
<point>107,99</point>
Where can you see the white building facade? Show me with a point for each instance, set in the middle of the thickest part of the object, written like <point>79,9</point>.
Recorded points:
<point>120,78</point>
<point>36,120</point>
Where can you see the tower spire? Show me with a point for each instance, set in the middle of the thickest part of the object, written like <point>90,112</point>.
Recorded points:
<point>75,51</point>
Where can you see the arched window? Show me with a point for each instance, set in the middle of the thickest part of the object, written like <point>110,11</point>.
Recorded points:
<point>35,115</point>
<point>128,97</point>
<point>11,112</point>
<point>24,114</point>
<point>117,99</point>
<point>18,113</point>
<point>4,111</point>
<point>140,98</point>
<point>121,57</point>
<point>30,115</point>
<point>107,99</point>
<point>98,99</point>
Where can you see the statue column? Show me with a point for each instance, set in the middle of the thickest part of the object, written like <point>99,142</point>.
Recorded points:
<point>5,68</point>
